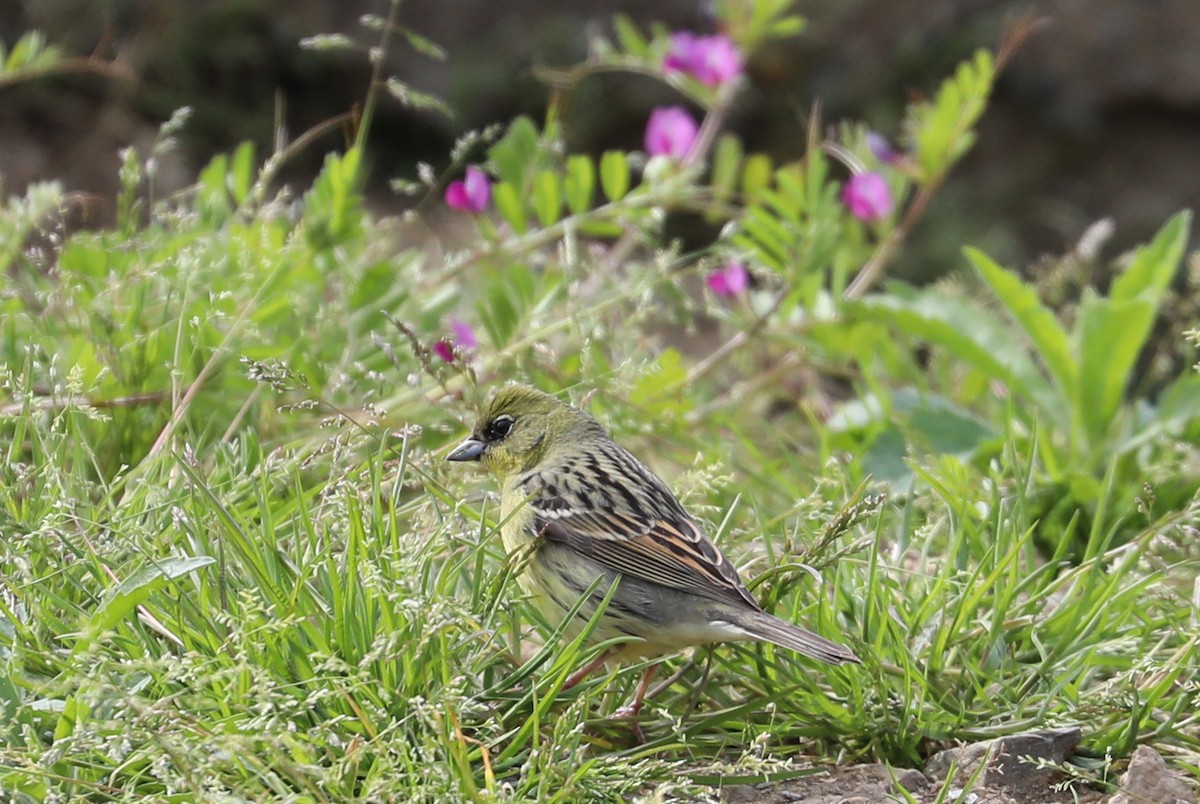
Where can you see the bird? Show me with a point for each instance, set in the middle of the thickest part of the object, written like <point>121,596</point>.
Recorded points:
<point>583,508</point>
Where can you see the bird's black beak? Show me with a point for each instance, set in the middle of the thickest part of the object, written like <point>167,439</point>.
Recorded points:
<point>469,450</point>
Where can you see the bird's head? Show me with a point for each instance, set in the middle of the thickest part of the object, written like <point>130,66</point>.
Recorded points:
<point>518,428</point>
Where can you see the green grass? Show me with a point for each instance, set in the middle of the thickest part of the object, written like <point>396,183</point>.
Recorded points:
<point>351,634</point>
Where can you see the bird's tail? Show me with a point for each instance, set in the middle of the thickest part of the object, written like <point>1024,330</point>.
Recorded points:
<point>763,627</point>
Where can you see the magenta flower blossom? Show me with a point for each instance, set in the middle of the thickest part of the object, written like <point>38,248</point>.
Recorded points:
<point>730,281</point>
<point>462,339</point>
<point>867,197</point>
<point>711,60</point>
<point>464,336</point>
<point>881,149</point>
<point>670,131</point>
<point>470,194</point>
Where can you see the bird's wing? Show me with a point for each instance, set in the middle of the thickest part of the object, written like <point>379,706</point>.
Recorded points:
<point>641,535</point>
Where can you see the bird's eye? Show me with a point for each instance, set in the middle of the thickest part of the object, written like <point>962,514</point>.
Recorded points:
<point>498,428</point>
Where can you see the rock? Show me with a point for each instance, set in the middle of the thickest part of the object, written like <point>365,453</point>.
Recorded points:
<point>1012,761</point>
<point>1150,780</point>
<point>856,784</point>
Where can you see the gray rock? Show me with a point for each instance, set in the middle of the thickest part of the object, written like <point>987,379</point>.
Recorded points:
<point>1150,780</point>
<point>1013,761</point>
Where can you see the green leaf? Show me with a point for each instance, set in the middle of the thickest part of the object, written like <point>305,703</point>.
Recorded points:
<point>212,197</point>
<point>940,426</point>
<point>756,176</point>
<point>941,130</point>
<point>614,175</point>
<point>970,332</point>
<point>886,458</point>
<point>547,197</point>
<point>1051,341</point>
<point>333,211</point>
<point>631,39</point>
<point>602,229</point>
<point>1110,335</point>
<point>1177,407</point>
<point>241,172</point>
<point>508,204</point>
<point>123,598</point>
<point>1154,265</point>
<point>787,26</point>
<point>727,158</point>
<point>580,183</point>
<point>515,154</point>
<point>29,53</point>
<point>506,298</point>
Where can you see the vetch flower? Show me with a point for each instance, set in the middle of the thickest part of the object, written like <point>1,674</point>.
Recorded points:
<point>470,194</point>
<point>464,336</point>
<point>881,149</point>
<point>444,350</point>
<point>670,131</point>
<point>462,339</point>
<point>711,60</point>
<point>867,197</point>
<point>730,281</point>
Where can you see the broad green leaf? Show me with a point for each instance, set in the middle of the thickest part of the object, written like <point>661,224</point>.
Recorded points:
<point>514,155</point>
<point>886,458</point>
<point>943,427</point>
<point>508,204</point>
<point>1154,265</point>
<point>1176,408</point>
<point>122,599</point>
<point>973,334</point>
<point>547,197</point>
<point>1110,335</point>
<point>580,183</point>
<point>241,172</point>
<point>1051,341</point>
<point>614,175</point>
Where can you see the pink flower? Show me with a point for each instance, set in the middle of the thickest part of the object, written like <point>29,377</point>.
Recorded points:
<point>881,149</point>
<point>462,339</point>
<point>867,196</point>
<point>730,281</point>
<point>471,194</point>
<point>711,60</point>
<point>464,336</point>
<point>670,131</point>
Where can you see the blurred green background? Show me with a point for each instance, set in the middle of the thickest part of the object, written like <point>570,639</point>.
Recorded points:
<point>1095,117</point>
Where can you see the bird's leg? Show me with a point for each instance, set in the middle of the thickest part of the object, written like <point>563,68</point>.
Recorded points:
<point>631,709</point>
<point>586,670</point>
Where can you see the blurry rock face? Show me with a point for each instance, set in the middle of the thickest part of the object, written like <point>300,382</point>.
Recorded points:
<point>1096,116</point>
